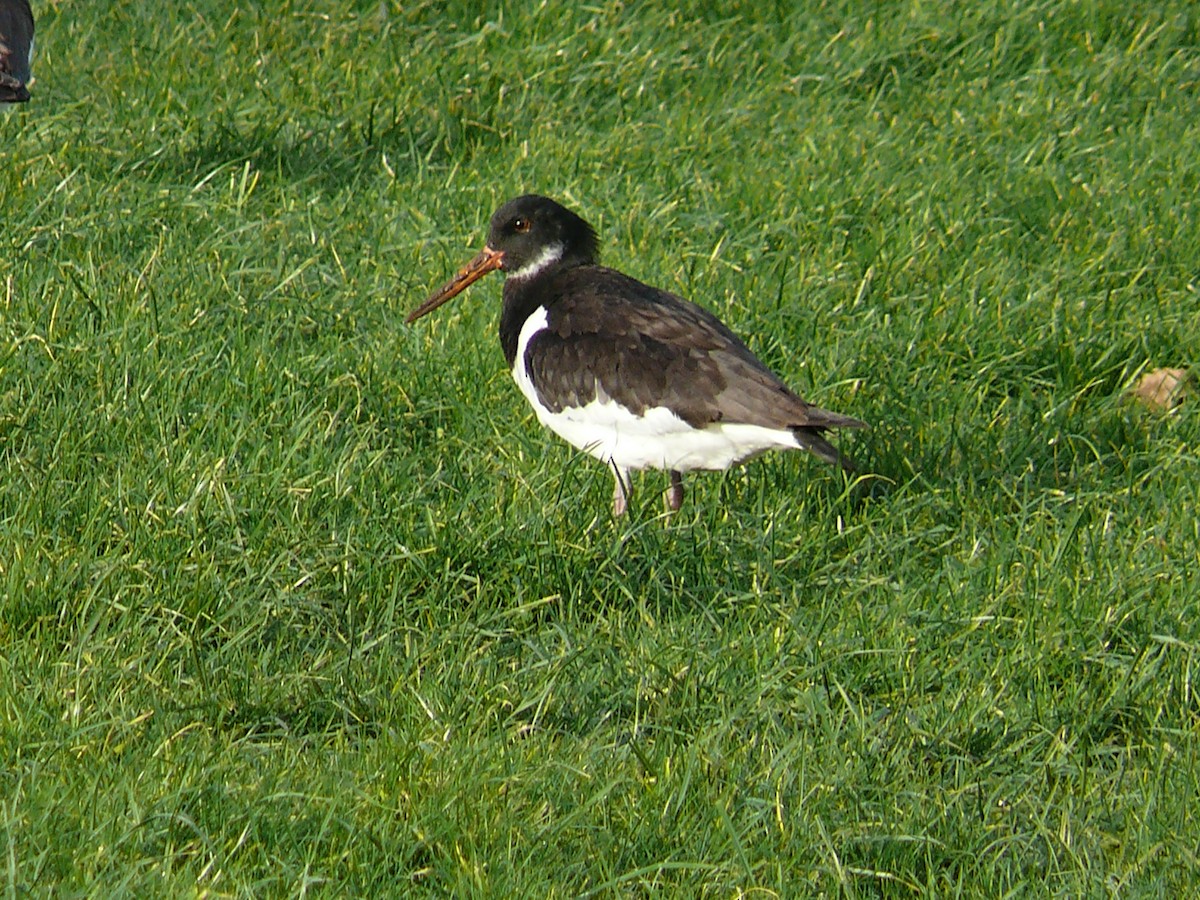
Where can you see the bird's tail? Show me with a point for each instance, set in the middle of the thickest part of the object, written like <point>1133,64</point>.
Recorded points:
<point>812,440</point>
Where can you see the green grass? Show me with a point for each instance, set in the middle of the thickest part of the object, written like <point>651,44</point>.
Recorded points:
<point>295,599</point>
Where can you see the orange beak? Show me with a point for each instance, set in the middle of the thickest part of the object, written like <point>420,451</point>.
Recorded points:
<point>488,260</point>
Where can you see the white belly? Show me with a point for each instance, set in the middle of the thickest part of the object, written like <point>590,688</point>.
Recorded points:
<point>657,439</point>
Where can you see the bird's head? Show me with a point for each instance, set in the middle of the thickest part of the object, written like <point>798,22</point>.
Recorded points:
<point>528,236</point>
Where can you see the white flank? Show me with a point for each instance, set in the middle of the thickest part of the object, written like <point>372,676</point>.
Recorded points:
<point>549,255</point>
<point>657,439</point>
<point>536,322</point>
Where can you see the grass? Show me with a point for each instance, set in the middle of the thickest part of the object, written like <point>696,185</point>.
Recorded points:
<point>298,600</point>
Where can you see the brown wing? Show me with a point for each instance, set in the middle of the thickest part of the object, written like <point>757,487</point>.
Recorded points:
<point>645,347</point>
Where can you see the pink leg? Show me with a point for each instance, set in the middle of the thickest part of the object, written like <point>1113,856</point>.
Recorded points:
<point>620,491</point>
<point>675,494</point>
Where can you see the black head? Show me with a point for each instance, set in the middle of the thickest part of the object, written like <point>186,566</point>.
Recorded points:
<point>534,231</point>
<point>528,235</point>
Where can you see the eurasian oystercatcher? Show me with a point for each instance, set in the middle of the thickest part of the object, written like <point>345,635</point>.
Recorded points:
<point>635,376</point>
<point>16,50</point>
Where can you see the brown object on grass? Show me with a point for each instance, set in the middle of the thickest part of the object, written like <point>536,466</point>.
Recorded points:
<point>1164,389</point>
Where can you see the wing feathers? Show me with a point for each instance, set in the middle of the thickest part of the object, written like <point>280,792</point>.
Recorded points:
<point>644,347</point>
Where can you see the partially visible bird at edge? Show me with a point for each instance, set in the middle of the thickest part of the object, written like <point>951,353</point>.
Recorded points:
<point>16,51</point>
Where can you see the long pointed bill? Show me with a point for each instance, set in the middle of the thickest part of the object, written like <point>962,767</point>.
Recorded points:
<point>488,260</point>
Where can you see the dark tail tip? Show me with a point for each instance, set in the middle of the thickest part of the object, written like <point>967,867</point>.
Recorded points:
<point>812,441</point>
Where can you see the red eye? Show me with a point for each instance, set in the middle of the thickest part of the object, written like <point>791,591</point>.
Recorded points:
<point>521,226</point>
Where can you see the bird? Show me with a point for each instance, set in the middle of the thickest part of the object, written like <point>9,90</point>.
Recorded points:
<point>16,51</point>
<point>633,375</point>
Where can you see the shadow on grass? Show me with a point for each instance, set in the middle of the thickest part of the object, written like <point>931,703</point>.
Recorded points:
<point>296,717</point>
<point>334,155</point>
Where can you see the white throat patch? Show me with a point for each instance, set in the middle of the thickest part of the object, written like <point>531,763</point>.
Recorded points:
<point>548,257</point>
